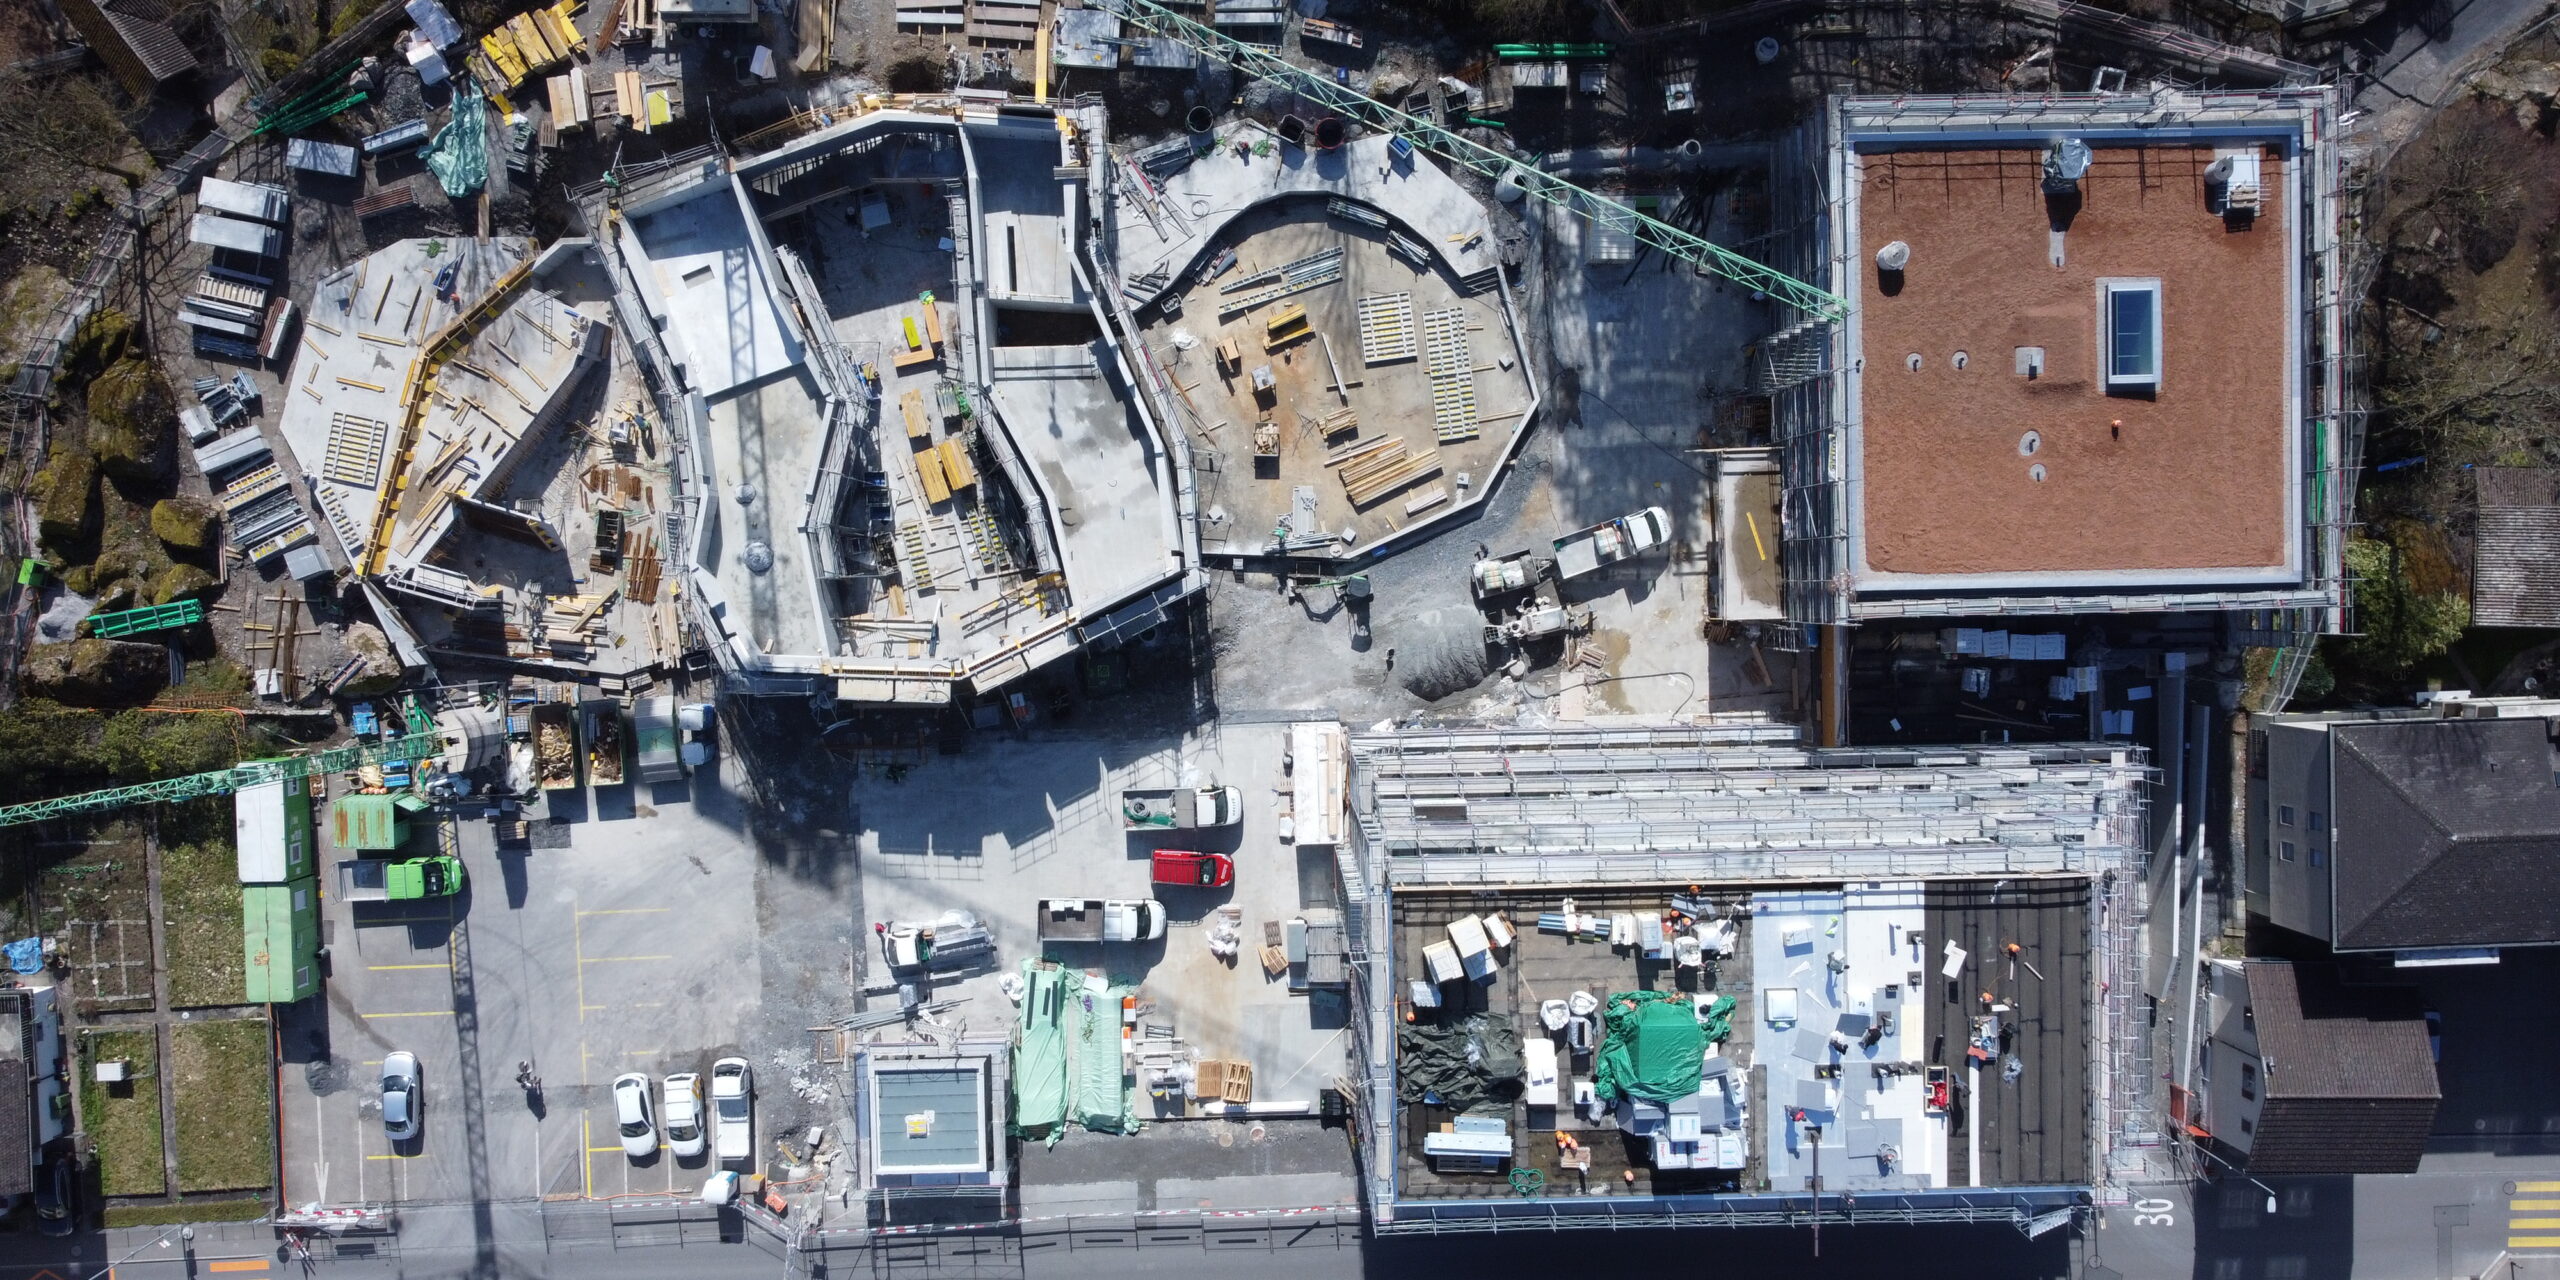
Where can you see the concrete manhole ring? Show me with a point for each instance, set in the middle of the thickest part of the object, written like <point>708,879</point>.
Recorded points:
<point>1226,1137</point>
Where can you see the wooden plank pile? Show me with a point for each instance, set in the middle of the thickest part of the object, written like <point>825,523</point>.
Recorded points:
<point>642,567</point>
<point>1372,470</point>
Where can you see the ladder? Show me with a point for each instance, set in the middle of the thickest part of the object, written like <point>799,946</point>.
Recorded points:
<point>158,617</point>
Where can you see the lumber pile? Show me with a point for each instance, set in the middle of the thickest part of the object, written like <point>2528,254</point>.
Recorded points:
<point>1372,470</point>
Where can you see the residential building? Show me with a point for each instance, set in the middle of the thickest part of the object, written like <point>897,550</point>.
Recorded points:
<point>35,1105</point>
<point>2515,548</point>
<point>134,39</point>
<point>2089,359</point>
<point>2426,833</point>
<point>2305,1071</point>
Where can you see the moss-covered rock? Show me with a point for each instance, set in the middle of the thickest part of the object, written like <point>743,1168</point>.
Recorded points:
<point>67,495</point>
<point>100,341</point>
<point>181,582</point>
<point>186,525</point>
<point>96,673</point>
<point>123,593</point>
<point>133,423</point>
<point>78,580</point>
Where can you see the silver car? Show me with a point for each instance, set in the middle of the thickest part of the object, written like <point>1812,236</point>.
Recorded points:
<point>631,1113</point>
<point>400,1095</point>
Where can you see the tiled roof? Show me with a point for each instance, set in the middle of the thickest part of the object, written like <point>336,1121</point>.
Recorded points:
<point>2349,1079</point>
<point>2447,833</point>
<point>2515,555</point>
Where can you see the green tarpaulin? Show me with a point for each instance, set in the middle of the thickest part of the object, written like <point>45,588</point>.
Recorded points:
<point>1100,1071</point>
<point>1040,1053</point>
<point>459,156</point>
<point>1653,1047</point>
<point>1459,1065</point>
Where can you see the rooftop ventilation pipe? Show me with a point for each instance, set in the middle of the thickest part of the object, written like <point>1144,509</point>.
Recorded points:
<point>2064,165</point>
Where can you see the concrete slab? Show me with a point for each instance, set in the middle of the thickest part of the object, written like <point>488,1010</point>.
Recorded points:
<point>1026,243</point>
<point>1105,479</point>
<point>766,438</point>
<point>711,290</point>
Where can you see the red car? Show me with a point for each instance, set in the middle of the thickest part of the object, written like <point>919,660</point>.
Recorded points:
<point>1199,870</point>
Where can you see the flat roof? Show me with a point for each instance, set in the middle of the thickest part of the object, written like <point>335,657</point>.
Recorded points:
<point>929,1119</point>
<point>2194,483</point>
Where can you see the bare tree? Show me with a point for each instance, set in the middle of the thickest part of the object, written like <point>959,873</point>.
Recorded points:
<point>60,137</point>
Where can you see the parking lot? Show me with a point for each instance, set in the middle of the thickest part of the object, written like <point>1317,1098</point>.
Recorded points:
<point>629,949</point>
<point>662,928</point>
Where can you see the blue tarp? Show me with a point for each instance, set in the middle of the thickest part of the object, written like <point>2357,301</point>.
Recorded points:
<point>26,955</point>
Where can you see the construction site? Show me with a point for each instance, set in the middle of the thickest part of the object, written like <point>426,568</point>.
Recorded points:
<point>1174,605</point>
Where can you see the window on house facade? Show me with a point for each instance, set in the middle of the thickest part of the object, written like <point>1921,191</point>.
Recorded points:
<point>2248,1082</point>
<point>2284,815</point>
<point>2285,850</point>
<point>2313,820</point>
<point>2133,334</point>
<point>2318,858</point>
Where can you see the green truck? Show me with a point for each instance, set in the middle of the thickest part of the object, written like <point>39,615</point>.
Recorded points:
<point>383,880</point>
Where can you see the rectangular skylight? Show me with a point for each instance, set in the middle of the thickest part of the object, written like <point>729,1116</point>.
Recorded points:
<point>2131,319</point>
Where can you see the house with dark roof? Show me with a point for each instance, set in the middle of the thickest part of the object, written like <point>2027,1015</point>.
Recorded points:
<point>2515,548</point>
<point>2432,833</point>
<point>2308,1072</point>
<point>134,39</point>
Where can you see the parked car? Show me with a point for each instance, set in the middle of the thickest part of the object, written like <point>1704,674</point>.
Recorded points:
<point>1199,870</point>
<point>631,1112</point>
<point>733,1106</point>
<point>55,1198</point>
<point>400,1100</point>
<point>683,1108</point>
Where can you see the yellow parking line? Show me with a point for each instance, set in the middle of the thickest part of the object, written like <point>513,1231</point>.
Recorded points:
<point>397,1156</point>
<point>627,911</point>
<point>387,968</point>
<point>429,1013</point>
<point>2538,1186</point>
<point>2533,1204</point>
<point>643,1053</point>
<point>615,959</point>
<point>2533,1224</point>
<point>597,1151</point>
<point>586,1162</point>
<point>2533,1242</point>
<point>238,1264</point>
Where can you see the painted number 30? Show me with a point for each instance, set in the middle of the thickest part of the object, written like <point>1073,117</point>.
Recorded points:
<point>2154,1213</point>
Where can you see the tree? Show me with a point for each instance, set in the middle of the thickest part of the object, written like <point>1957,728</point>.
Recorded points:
<point>59,137</point>
<point>2401,626</point>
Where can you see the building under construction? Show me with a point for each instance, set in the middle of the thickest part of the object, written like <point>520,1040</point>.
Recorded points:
<point>2093,358</point>
<point>1698,974</point>
<point>918,458</point>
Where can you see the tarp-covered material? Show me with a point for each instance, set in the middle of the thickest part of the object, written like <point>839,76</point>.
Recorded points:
<point>1040,1053</point>
<point>1719,1020</point>
<point>1653,1048</point>
<point>1100,1070</point>
<point>1460,1065</point>
<point>459,156</point>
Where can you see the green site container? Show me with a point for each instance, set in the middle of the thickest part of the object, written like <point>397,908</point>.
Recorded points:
<point>280,934</point>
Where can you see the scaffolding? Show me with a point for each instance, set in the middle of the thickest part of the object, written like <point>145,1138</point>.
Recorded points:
<point>1809,368</point>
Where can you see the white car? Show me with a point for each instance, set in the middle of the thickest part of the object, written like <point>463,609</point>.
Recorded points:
<point>631,1112</point>
<point>400,1096</point>
<point>682,1107</point>
<point>733,1102</point>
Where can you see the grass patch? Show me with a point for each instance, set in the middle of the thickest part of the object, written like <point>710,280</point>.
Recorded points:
<point>99,901</point>
<point>200,901</point>
<point>166,1215</point>
<point>124,1120</point>
<point>226,1105</point>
